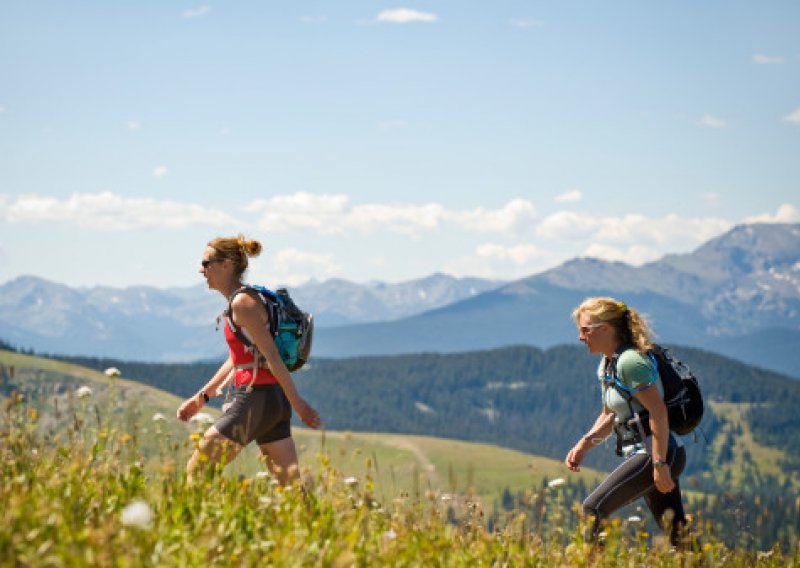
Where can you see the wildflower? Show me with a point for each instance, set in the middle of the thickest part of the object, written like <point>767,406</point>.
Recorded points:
<point>84,392</point>
<point>351,481</point>
<point>124,437</point>
<point>137,514</point>
<point>203,418</point>
<point>446,497</point>
<point>112,372</point>
<point>262,475</point>
<point>557,482</point>
<point>389,535</point>
<point>158,417</point>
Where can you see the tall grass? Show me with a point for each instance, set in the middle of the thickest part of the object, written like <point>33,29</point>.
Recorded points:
<point>84,483</point>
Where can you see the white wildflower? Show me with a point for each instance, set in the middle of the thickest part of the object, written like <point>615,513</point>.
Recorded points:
<point>84,392</point>
<point>446,497</point>
<point>351,481</point>
<point>158,417</point>
<point>112,372</point>
<point>203,418</point>
<point>137,514</point>
<point>557,482</point>
<point>390,535</point>
<point>262,475</point>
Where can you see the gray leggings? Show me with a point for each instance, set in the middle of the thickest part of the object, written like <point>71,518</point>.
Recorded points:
<point>634,479</point>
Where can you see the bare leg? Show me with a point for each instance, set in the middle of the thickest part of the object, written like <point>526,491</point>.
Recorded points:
<point>213,448</point>
<point>281,459</point>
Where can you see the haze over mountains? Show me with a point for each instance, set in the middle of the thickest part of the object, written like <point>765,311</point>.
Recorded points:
<point>738,294</point>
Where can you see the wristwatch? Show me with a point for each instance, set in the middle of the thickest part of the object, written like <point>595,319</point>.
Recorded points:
<point>660,463</point>
<point>204,395</point>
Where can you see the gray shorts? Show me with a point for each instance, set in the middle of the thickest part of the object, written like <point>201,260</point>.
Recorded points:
<point>263,415</point>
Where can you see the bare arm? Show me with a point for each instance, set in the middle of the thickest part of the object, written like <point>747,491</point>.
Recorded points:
<point>192,405</point>
<point>600,430</point>
<point>250,314</point>
<point>659,426</point>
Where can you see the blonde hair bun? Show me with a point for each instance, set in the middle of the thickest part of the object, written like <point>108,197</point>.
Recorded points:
<point>251,248</point>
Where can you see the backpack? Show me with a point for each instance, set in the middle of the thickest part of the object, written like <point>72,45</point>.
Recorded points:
<point>290,327</point>
<point>682,395</point>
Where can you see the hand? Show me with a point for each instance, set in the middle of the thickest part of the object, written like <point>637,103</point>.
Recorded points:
<point>188,409</point>
<point>307,414</point>
<point>576,455</point>
<point>662,477</point>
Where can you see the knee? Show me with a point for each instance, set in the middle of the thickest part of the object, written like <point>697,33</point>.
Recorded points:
<point>590,508</point>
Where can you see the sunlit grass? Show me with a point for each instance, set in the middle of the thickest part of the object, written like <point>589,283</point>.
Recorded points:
<point>98,481</point>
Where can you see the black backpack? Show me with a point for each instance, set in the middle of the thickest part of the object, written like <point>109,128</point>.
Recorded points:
<point>682,395</point>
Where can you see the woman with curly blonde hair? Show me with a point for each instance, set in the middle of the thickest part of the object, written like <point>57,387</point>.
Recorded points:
<point>264,391</point>
<point>630,386</point>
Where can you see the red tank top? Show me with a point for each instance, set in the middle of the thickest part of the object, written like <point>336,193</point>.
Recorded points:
<point>241,356</point>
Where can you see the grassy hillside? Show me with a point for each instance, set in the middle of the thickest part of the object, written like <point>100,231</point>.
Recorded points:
<point>399,463</point>
<point>535,401</point>
<point>95,481</point>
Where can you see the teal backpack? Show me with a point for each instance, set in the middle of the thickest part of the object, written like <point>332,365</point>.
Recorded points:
<point>290,327</point>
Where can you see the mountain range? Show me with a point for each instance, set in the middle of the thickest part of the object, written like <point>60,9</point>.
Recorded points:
<point>737,294</point>
<point>178,324</point>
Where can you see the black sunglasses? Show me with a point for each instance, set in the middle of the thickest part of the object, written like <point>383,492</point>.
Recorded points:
<point>207,263</point>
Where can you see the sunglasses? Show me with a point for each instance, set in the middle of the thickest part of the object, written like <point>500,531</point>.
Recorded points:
<point>206,263</point>
<point>585,329</point>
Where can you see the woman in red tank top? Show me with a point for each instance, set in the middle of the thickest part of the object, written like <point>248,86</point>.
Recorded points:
<point>261,409</point>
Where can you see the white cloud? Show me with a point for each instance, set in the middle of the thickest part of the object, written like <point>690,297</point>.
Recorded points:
<point>786,213</point>
<point>526,23</point>
<point>793,116</point>
<point>768,59</point>
<point>160,171</point>
<point>713,121</point>
<point>569,197</point>
<point>512,216</point>
<point>134,125</point>
<point>631,229</point>
<point>568,225</point>
<point>322,213</point>
<point>405,16</point>
<point>198,12</point>
<point>332,214</point>
<point>109,212</point>
<point>292,266</point>
<point>407,219</point>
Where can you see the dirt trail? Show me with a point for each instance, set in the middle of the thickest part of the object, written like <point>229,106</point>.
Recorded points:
<point>425,463</point>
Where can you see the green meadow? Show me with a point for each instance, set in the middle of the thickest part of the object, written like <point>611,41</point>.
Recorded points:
<point>94,476</point>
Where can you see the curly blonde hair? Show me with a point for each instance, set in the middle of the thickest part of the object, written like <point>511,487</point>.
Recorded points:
<point>631,327</point>
<point>236,249</point>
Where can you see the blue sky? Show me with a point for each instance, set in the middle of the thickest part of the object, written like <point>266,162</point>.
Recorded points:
<point>375,140</point>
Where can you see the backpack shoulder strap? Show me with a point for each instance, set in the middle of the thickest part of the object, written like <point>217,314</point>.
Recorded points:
<point>626,391</point>
<point>266,297</point>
